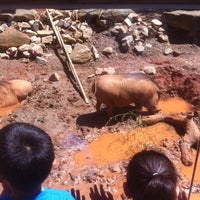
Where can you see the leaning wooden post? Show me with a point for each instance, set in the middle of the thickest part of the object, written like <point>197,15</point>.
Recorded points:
<point>60,40</point>
<point>194,169</point>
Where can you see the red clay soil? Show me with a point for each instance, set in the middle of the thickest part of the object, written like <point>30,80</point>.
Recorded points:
<point>79,133</point>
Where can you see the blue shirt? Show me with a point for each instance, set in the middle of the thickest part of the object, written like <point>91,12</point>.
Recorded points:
<point>47,194</point>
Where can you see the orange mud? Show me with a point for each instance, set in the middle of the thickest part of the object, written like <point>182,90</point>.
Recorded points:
<point>187,171</point>
<point>173,105</point>
<point>113,147</point>
<point>119,146</point>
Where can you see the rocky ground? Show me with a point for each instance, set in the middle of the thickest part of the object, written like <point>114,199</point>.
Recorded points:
<point>97,42</point>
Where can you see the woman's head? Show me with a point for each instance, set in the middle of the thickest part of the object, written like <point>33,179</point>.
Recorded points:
<point>151,176</point>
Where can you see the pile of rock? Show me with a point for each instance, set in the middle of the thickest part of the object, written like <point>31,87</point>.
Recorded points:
<point>134,31</point>
<point>27,33</point>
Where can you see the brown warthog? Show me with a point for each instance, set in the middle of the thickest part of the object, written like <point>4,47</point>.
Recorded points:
<point>14,91</point>
<point>121,90</point>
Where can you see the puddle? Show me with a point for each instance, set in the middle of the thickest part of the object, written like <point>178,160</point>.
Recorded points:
<point>72,142</point>
<point>188,172</point>
<point>113,147</point>
<point>173,105</point>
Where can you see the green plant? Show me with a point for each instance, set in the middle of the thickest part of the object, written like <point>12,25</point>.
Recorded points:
<point>130,119</point>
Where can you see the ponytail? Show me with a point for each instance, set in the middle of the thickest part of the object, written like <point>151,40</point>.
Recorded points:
<point>151,176</point>
<point>159,188</point>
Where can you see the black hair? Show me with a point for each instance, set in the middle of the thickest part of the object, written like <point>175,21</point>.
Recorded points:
<point>26,155</point>
<point>151,176</point>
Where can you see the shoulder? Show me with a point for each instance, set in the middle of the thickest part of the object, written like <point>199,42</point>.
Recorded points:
<point>55,194</point>
<point>5,197</point>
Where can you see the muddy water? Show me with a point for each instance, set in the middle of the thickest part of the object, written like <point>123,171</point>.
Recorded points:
<point>121,146</point>
<point>115,147</point>
<point>173,105</point>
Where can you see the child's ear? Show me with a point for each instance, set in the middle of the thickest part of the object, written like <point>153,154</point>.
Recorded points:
<point>126,190</point>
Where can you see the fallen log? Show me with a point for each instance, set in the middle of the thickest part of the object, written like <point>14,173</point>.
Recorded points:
<point>189,136</point>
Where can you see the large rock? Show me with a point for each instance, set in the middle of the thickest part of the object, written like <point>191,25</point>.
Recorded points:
<point>115,15</point>
<point>6,17</point>
<point>182,19</point>
<point>23,15</point>
<point>13,38</point>
<point>81,53</point>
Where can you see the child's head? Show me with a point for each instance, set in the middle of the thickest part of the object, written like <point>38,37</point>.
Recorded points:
<point>26,155</point>
<point>151,176</point>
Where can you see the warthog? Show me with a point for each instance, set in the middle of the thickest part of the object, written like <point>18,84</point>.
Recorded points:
<point>121,90</point>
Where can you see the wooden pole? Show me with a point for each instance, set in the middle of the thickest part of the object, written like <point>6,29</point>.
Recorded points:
<point>194,169</point>
<point>60,40</point>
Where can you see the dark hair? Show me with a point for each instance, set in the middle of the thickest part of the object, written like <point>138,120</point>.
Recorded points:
<point>26,155</point>
<point>151,176</point>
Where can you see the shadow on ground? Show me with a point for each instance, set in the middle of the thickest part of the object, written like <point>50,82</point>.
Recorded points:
<point>101,119</point>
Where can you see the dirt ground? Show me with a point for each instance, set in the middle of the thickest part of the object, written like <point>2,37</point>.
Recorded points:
<point>58,108</point>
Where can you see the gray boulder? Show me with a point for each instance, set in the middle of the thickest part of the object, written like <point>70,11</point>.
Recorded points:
<point>182,19</point>
<point>12,38</point>
<point>23,15</point>
<point>81,54</point>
